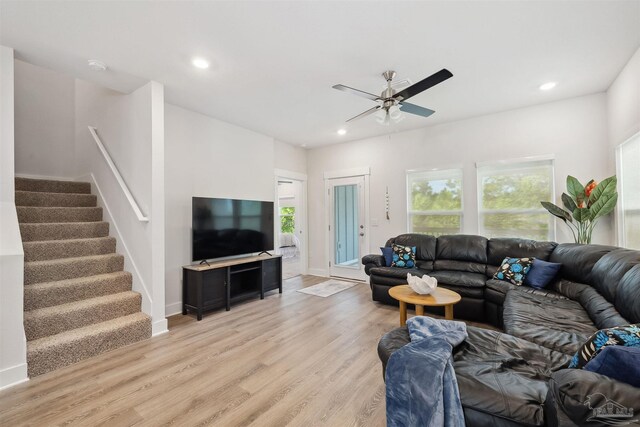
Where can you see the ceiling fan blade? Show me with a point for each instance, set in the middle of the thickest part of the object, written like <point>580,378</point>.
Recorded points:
<point>366,113</point>
<point>357,92</point>
<point>423,85</point>
<point>415,109</point>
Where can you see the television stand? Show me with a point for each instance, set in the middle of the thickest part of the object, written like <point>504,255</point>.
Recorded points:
<point>204,261</point>
<point>221,283</point>
<point>264,252</point>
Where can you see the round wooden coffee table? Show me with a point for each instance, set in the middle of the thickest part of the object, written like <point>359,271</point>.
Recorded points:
<point>439,298</point>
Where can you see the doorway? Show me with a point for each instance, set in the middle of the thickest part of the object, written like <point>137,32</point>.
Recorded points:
<point>348,236</point>
<point>290,223</point>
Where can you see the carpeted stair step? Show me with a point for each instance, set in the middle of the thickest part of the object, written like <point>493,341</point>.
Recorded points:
<point>49,353</point>
<point>69,268</point>
<point>30,214</point>
<point>49,186</point>
<point>37,198</point>
<point>71,248</point>
<point>44,322</point>
<point>65,230</point>
<point>48,294</point>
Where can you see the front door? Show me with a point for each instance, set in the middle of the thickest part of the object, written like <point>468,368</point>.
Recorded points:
<point>347,233</point>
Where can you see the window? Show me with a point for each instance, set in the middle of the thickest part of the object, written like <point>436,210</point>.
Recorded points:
<point>509,196</point>
<point>435,201</point>
<point>287,219</point>
<point>629,186</point>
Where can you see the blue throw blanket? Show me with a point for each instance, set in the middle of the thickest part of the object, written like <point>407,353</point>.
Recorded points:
<point>422,389</point>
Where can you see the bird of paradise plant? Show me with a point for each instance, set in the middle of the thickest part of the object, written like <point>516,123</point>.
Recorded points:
<point>585,205</point>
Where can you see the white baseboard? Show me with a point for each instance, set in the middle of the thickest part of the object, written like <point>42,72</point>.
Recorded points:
<point>160,327</point>
<point>173,309</point>
<point>322,272</point>
<point>13,375</point>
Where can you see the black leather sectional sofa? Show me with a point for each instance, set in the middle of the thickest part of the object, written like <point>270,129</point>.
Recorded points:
<point>519,377</point>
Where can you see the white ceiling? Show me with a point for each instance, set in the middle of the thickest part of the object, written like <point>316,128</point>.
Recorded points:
<point>274,62</point>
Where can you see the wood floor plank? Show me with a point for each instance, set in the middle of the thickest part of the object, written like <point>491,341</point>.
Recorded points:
<point>291,359</point>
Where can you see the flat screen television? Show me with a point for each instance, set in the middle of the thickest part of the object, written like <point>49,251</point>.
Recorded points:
<point>228,227</point>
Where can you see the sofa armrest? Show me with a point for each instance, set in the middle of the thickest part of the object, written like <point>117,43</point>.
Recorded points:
<point>372,261</point>
<point>582,397</point>
<point>376,260</point>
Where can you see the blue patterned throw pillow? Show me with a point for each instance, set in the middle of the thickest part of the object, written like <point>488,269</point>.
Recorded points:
<point>628,336</point>
<point>513,270</point>
<point>403,256</point>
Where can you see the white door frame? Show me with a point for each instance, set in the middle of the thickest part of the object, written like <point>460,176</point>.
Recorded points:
<point>281,174</point>
<point>364,172</point>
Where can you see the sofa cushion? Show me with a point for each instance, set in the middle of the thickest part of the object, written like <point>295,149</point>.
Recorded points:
<point>628,295</point>
<point>398,273</point>
<point>609,270</point>
<point>578,260</point>
<point>558,324</point>
<point>448,264</point>
<point>425,245</point>
<point>501,248</point>
<point>497,290</point>
<point>601,312</point>
<point>424,265</point>
<point>502,379</point>
<point>459,278</point>
<point>465,291</point>
<point>461,247</point>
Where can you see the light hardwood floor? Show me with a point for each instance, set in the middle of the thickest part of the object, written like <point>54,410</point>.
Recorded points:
<point>290,359</point>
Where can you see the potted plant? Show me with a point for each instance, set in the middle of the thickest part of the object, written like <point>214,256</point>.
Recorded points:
<point>585,205</point>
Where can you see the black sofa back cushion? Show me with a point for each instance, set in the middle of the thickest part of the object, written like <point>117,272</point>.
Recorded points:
<point>466,266</point>
<point>628,295</point>
<point>500,248</point>
<point>462,247</point>
<point>425,245</point>
<point>578,260</point>
<point>603,313</point>
<point>610,269</point>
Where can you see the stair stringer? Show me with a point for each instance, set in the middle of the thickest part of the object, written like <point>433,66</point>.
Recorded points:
<point>138,284</point>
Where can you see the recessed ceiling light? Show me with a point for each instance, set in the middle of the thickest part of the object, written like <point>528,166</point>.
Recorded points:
<point>96,65</point>
<point>342,131</point>
<point>548,86</point>
<point>200,63</point>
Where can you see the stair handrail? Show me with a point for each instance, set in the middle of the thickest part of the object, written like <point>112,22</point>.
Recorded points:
<point>116,174</point>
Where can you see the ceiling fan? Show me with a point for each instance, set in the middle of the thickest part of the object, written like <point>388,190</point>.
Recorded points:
<point>392,104</point>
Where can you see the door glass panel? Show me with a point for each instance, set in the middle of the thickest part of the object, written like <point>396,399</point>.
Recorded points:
<point>347,243</point>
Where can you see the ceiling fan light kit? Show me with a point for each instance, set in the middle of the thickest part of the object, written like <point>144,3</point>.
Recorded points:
<point>391,105</point>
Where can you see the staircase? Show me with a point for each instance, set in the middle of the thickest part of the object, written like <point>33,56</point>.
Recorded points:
<point>78,301</point>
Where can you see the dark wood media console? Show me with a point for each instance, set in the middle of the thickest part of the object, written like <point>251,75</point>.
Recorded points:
<point>221,283</point>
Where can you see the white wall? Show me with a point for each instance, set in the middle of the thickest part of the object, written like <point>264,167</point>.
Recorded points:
<point>623,105</point>
<point>574,130</point>
<point>623,114</point>
<point>128,128</point>
<point>290,158</point>
<point>13,350</point>
<point>208,158</point>
<point>44,126</point>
